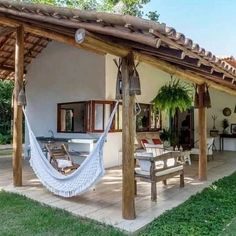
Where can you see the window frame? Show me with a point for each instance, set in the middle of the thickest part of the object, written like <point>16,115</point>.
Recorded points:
<point>149,129</point>
<point>89,117</point>
<point>103,102</point>
<point>59,118</point>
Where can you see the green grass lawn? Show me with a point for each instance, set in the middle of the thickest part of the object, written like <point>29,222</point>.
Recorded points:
<point>211,212</point>
<point>230,229</point>
<point>206,213</point>
<point>21,216</point>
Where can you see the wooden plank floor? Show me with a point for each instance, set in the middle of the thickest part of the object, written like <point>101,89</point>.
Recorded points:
<point>104,202</point>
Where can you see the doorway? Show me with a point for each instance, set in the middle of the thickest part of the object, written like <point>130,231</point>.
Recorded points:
<point>183,124</point>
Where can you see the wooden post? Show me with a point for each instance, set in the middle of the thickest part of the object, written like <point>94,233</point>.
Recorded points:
<point>17,120</point>
<point>128,132</point>
<point>202,135</point>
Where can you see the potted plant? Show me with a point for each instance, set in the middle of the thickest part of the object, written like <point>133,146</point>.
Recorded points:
<point>173,95</point>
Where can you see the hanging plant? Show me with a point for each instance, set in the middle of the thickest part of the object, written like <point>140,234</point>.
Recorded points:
<point>174,95</point>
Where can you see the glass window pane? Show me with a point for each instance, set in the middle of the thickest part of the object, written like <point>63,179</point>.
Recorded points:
<point>72,117</point>
<point>66,120</point>
<point>107,113</point>
<point>98,117</point>
<point>79,117</point>
<point>142,119</point>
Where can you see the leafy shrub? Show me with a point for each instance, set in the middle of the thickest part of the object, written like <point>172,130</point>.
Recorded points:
<point>5,139</point>
<point>6,88</point>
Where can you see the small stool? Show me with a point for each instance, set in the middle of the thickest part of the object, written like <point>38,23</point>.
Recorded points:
<point>186,157</point>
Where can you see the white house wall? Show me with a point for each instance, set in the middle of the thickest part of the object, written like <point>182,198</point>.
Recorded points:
<point>61,73</point>
<point>219,100</point>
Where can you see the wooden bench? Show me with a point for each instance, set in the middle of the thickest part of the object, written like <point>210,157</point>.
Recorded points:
<point>158,168</point>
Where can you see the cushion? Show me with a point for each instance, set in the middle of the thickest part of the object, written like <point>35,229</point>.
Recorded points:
<point>145,135</point>
<point>63,163</point>
<point>156,149</point>
<point>156,141</point>
<point>145,141</point>
<point>161,172</point>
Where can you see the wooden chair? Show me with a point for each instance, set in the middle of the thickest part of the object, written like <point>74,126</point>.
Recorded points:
<point>210,145</point>
<point>158,168</point>
<point>60,158</point>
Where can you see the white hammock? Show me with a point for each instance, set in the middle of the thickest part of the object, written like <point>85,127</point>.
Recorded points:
<point>78,182</point>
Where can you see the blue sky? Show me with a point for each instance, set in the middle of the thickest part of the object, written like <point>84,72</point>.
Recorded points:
<point>210,23</point>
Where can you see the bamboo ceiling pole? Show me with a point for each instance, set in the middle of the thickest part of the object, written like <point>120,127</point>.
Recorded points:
<point>202,135</point>
<point>128,132</point>
<point>17,119</point>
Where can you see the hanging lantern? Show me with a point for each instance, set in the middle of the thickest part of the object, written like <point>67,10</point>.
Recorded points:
<point>196,98</point>
<point>119,85</point>
<point>134,83</point>
<point>118,80</point>
<point>207,98</point>
<point>21,101</point>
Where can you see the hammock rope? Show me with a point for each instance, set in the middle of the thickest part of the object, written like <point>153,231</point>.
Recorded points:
<point>79,181</point>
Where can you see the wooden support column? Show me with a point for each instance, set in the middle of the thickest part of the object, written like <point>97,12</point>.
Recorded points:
<point>202,135</point>
<point>17,120</point>
<point>128,132</point>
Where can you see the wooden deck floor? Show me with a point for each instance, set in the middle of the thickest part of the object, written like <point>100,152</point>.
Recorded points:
<point>104,203</point>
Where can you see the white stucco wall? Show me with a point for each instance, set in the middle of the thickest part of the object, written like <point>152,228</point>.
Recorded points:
<point>219,100</point>
<point>61,73</point>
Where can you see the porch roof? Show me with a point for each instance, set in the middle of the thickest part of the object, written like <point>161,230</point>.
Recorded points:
<point>151,42</point>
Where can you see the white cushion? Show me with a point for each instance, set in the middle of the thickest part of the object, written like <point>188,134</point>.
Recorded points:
<point>151,145</point>
<point>156,149</point>
<point>150,141</point>
<point>160,173</point>
<point>63,163</point>
<point>146,164</point>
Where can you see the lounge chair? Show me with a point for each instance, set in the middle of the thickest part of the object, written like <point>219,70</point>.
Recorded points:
<point>61,159</point>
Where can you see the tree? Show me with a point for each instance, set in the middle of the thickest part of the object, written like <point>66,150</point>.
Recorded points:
<point>6,89</point>
<point>130,7</point>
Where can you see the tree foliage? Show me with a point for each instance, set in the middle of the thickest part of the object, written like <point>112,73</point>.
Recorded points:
<point>6,89</point>
<point>130,7</point>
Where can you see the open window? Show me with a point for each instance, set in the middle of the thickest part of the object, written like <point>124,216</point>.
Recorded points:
<point>148,118</point>
<point>93,116</point>
<point>101,111</point>
<point>72,117</point>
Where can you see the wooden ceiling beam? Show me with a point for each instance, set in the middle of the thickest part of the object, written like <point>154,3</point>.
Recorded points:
<point>9,68</point>
<point>170,52</point>
<point>96,45</point>
<point>189,52</point>
<point>6,31</point>
<point>185,74</point>
<point>112,31</point>
<point>91,43</point>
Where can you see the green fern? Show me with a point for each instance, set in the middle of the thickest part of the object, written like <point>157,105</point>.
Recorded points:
<point>174,95</point>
